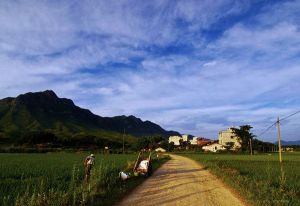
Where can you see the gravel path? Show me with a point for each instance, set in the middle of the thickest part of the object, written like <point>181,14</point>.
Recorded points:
<point>181,181</point>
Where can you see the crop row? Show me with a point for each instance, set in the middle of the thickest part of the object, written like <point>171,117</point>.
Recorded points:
<point>57,178</point>
<point>260,179</point>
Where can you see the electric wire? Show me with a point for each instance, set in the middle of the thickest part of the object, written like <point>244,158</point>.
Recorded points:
<point>267,129</point>
<point>279,121</point>
<point>290,116</point>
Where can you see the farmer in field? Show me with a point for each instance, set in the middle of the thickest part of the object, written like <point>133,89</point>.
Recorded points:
<point>88,164</point>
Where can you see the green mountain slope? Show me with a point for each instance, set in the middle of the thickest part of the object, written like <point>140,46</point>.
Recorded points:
<point>42,111</point>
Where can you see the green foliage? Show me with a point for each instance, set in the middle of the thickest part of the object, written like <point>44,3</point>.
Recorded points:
<point>57,179</point>
<point>168,146</point>
<point>259,178</point>
<point>152,143</point>
<point>148,142</point>
<point>45,112</point>
<point>37,137</point>
<point>261,146</point>
<point>142,143</point>
<point>244,134</point>
<point>229,145</point>
<point>13,133</point>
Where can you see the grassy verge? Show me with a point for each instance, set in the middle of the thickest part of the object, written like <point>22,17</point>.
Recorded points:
<point>123,188</point>
<point>57,179</point>
<point>260,179</point>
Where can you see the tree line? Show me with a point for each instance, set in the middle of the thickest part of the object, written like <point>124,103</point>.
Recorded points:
<point>249,141</point>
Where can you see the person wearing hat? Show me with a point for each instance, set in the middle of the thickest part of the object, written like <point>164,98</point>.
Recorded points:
<point>88,164</point>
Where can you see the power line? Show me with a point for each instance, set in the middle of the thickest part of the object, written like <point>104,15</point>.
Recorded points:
<point>290,116</point>
<point>267,129</point>
<point>277,121</point>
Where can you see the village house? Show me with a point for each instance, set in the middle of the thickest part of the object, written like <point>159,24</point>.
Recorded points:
<point>203,141</point>
<point>228,136</point>
<point>289,149</point>
<point>200,141</point>
<point>194,141</point>
<point>185,138</point>
<point>213,147</point>
<point>177,139</point>
<point>159,149</point>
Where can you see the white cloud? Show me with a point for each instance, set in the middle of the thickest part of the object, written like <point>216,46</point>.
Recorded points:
<point>281,39</point>
<point>241,77</point>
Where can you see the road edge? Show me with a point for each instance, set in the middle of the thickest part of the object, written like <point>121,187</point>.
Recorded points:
<point>129,192</point>
<point>232,190</point>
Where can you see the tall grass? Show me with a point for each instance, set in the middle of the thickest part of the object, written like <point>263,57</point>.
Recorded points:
<point>260,179</point>
<point>57,179</point>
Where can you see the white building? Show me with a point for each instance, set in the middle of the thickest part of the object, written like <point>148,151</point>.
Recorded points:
<point>228,136</point>
<point>175,140</point>
<point>159,149</point>
<point>213,147</point>
<point>194,141</point>
<point>185,138</point>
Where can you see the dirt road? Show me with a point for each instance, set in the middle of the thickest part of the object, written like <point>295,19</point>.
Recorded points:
<point>181,181</point>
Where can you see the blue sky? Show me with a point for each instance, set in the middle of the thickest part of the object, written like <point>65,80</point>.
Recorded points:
<point>192,66</point>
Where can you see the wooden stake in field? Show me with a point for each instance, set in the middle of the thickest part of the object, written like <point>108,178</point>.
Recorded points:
<point>279,142</point>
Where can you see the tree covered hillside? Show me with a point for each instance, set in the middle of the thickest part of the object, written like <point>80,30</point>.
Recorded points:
<point>44,112</point>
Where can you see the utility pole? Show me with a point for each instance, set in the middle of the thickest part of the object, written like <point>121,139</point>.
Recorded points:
<point>250,140</point>
<point>279,143</point>
<point>123,141</point>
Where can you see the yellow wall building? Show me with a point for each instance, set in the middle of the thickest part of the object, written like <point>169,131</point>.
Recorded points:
<point>228,136</point>
<point>176,139</point>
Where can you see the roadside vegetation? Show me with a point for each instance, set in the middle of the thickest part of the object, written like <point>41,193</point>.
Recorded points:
<point>57,179</point>
<point>259,179</point>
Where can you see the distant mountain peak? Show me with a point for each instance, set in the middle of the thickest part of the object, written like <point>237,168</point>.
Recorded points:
<point>284,143</point>
<point>49,111</point>
<point>46,93</point>
<point>50,93</point>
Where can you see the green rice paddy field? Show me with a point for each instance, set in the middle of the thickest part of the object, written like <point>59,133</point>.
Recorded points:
<point>57,179</point>
<point>260,178</point>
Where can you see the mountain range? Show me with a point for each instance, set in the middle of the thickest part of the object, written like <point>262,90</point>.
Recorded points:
<point>46,111</point>
<point>284,143</point>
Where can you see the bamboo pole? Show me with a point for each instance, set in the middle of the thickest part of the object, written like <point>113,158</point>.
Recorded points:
<point>137,162</point>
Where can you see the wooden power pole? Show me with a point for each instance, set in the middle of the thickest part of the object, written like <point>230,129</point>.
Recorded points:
<point>250,140</point>
<point>123,141</point>
<point>279,142</point>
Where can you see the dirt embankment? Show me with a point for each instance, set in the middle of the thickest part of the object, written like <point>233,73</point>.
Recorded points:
<point>181,181</point>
